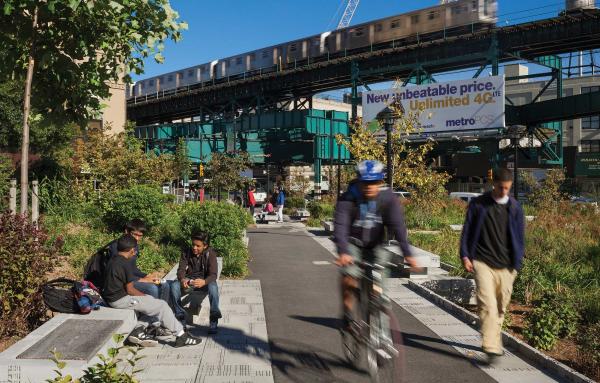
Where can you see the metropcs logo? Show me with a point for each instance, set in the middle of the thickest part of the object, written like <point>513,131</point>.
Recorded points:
<point>482,119</point>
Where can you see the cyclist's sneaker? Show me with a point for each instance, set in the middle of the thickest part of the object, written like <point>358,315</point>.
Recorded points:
<point>160,333</point>
<point>187,339</point>
<point>141,337</point>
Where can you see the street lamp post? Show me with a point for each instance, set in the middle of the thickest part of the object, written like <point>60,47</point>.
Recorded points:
<point>387,117</point>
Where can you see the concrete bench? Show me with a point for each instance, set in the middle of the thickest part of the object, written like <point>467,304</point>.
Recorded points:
<point>265,218</point>
<point>328,226</point>
<point>425,259</point>
<point>79,338</point>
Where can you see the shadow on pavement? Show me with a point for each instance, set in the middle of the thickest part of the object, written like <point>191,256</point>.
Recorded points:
<point>333,323</point>
<point>299,362</point>
<point>418,341</point>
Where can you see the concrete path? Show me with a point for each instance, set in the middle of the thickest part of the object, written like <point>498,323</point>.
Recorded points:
<point>302,307</point>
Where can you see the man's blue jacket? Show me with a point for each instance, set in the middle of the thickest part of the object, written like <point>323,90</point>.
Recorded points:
<point>476,213</point>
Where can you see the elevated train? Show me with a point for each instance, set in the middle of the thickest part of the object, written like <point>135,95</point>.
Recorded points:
<point>434,22</point>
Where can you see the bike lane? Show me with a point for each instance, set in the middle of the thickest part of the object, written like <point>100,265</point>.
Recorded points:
<point>301,297</point>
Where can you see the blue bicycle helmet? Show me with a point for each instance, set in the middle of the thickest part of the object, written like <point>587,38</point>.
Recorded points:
<point>370,170</point>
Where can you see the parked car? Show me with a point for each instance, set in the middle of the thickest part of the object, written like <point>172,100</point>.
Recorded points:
<point>465,196</point>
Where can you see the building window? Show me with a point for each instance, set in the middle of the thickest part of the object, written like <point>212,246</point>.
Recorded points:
<point>592,122</point>
<point>414,19</point>
<point>191,73</point>
<point>590,146</point>
<point>395,24</point>
<point>378,27</point>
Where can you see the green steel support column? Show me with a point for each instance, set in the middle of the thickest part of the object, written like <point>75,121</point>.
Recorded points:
<point>494,53</point>
<point>354,73</point>
<point>317,164</point>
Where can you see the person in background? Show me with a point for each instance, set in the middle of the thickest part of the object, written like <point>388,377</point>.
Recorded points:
<point>269,207</point>
<point>198,270</point>
<point>280,203</point>
<point>120,293</point>
<point>492,246</point>
<point>251,200</point>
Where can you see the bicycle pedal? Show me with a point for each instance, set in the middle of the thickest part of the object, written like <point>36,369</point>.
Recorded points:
<point>383,354</point>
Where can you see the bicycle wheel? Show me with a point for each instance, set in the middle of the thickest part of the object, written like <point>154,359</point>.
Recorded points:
<point>383,355</point>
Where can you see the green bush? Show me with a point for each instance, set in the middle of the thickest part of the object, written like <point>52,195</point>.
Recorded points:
<point>225,225</point>
<point>169,228</point>
<point>294,202</point>
<point>313,222</point>
<point>321,210</point>
<point>452,212</point>
<point>26,256</point>
<point>553,317</point>
<point>141,201</point>
<point>151,258</point>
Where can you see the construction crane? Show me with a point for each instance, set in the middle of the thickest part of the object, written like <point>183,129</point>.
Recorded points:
<point>348,13</point>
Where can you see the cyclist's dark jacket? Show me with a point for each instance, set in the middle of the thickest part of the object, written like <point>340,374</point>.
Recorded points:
<point>386,210</point>
<point>475,219</point>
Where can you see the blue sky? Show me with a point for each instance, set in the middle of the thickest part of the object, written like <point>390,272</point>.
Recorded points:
<point>227,27</point>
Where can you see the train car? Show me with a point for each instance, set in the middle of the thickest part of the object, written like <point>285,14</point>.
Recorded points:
<point>424,23</point>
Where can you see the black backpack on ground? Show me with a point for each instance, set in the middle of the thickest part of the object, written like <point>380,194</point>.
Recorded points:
<point>58,296</point>
<point>95,269</point>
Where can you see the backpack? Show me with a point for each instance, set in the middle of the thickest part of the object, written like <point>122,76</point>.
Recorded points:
<point>58,296</point>
<point>95,269</point>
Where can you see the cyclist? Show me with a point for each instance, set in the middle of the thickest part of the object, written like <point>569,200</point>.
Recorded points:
<point>361,214</point>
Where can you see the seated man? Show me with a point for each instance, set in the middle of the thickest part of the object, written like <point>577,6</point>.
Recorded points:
<point>120,293</point>
<point>148,284</point>
<point>198,270</point>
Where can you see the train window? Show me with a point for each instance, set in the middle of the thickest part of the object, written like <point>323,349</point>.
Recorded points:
<point>252,56</point>
<point>378,27</point>
<point>358,32</point>
<point>432,15</point>
<point>191,73</point>
<point>170,78</point>
<point>293,47</point>
<point>456,10</point>
<point>395,24</point>
<point>414,19</point>
<point>238,61</point>
<point>151,83</point>
<point>265,54</point>
<point>474,5</point>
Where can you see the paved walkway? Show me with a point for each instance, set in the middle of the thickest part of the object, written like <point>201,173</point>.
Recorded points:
<point>300,291</point>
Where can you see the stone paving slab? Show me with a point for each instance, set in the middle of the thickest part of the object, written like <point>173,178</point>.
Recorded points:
<point>239,353</point>
<point>463,338</point>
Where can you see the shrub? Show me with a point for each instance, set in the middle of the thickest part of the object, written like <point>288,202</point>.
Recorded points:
<point>144,202</point>
<point>151,258</point>
<point>589,348</point>
<point>26,256</point>
<point>225,224</point>
<point>313,222</point>
<point>450,212</point>
<point>168,229</point>
<point>294,202</point>
<point>321,210</point>
<point>553,317</point>
<point>112,367</point>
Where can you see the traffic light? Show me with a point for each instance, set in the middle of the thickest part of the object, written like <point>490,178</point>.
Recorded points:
<point>490,175</point>
<point>201,170</point>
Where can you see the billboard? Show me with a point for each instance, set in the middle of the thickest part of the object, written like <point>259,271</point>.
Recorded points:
<point>473,104</point>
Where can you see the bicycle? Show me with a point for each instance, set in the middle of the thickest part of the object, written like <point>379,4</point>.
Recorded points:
<point>371,328</point>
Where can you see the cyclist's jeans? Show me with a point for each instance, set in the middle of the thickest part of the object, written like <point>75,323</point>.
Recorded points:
<point>376,255</point>
<point>494,288</point>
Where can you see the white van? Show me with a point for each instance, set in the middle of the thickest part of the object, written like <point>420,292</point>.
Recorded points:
<point>467,197</point>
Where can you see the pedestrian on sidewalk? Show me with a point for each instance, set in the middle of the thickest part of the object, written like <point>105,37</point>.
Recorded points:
<point>251,200</point>
<point>280,203</point>
<point>120,293</point>
<point>492,247</point>
<point>198,270</point>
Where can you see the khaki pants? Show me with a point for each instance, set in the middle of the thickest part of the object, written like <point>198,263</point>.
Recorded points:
<point>494,289</point>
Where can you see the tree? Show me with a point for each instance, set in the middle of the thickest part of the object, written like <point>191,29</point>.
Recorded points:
<point>66,52</point>
<point>546,194</point>
<point>411,169</point>
<point>225,171</point>
<point>182,166</point>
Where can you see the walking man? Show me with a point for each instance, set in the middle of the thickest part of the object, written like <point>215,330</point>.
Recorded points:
<point>251,200</point>
<point>492,247</point>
